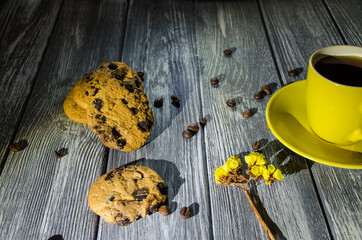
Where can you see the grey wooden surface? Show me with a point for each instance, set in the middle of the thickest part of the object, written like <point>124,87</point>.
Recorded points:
<point>47,46</point>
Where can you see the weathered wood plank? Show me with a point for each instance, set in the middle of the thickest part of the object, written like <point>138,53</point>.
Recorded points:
<point>41,195</point>
<point>288,22</point>
<point>160,40</point>
<point>347,15</point>
<point>289,207</point>
<point>24,32</point>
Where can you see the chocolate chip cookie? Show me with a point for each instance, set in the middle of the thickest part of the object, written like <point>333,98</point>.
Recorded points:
<point>127,193</point>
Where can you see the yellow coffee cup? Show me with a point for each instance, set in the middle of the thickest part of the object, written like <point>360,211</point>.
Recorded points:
<point>334,94</point>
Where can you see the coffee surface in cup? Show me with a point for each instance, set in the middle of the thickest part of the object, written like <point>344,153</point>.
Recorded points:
<point>346,70</point>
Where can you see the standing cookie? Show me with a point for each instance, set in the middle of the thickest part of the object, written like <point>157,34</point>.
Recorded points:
<point>126,194</point>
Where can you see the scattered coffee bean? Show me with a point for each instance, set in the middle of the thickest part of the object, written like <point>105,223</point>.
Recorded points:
<point>56,237</point>
<point>231,103</point>
<point>267,126</point>
<point>61,153</point>
<point>175,99</point>
<point>203,121</point>
<point>228,52</point>
<point>164,210</point>
<point>193,128</point>
<point>256,145</point>
<point>187,134</point>
<point>214,81</point>
<point>140,74</point>
<point>247,113</point>
<point>18,146</point>
<point>266,89</point>
<point>259,95</point>
<point>293,73</point>
<point>185,212</point>
<point>158,103</point>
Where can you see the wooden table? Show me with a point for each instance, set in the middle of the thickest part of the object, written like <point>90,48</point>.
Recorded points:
<point>46,46</point>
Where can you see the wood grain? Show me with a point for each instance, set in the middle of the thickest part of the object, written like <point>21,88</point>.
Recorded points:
<point>339,189</point>
<point>160,41</point>
<point>347,15</point>
<point>25,29</point>
<point>41,195</point>
<point>289,207</point>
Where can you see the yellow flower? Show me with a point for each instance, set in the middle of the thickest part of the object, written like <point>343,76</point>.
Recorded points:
<point>233,162</point>
<point>255,158</point>
<point>219,172</point>
<point>258,171</point>
<point>276,174</point>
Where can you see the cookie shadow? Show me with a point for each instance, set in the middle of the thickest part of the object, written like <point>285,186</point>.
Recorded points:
<point>168,172</point>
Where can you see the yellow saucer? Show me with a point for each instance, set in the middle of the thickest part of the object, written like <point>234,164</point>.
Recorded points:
<point>287,119</point>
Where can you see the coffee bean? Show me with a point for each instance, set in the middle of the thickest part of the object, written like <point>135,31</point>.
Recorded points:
<point>202,121</point>
<point>112,66</point>
<point>214,81</point>
<point>140,74</point>
<point>256,145</point>
<point>293,73</point>
<point>164,210</point>
<point>228,52</point>
<point>176,104</point>
<point>18,146</point>
<point>175,99</point>
<point>158,103</point>
<point>247,113</point>
<point>61,153</point>
<point>266,89</point>
<point>193,128</point>
<point>259,95</point>
<point>230,103</point>
<point>185,212</point>
<point>187,134</point>
<point>56,237</point>
<point>267,126</point>
<point>98,104</point>
<point>140,194</point>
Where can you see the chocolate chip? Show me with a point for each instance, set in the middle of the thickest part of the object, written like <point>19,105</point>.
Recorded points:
<point>86,93</point>
<point>115,133</point>
<point>121,220</point>
<point>103,119</point>
<point>140,194</point>
<point>143,126</point>
<point>138,217</point>
<point>109,176</point>
<point>134,111</point>
<point>293,73</point>
<point>129,87</point>
<point>214,81</point>
<point>247,113</point>
<point>228,52</point>
<point>111,199</point>
<point>164,210</point>
<point>98,104</point>
<point>120,74</point>
<point>154,208</point>
<point>121,143</point>
<point>259,95</point>
<point>162,188</point>
<point>187,134</point>
<point>158,103</point>
<point>203,121</point>
<point>231,103</point>
<point>256,145</point>
<point>95,91</point>
<point>266,89</point>
<point>120,169</point>
<point>18,146</point>
<point>149,123</point>
<point>124,101</point>
<point>112,66</point>
<point>97,127</point>
<point>193,128</point>
<point>140,74</point>
<point>137,82</point>
<point>56,237</point>
<point>61,152</point>
<point>185,212</point>
<point>175,99</point>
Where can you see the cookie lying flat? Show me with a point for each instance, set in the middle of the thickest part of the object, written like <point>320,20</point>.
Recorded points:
<point>126,194</point>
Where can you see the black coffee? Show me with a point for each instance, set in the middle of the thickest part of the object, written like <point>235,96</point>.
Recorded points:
<point>346,70</point>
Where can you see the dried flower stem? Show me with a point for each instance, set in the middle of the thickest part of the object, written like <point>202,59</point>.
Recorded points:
<point>263,224</point>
